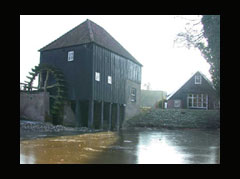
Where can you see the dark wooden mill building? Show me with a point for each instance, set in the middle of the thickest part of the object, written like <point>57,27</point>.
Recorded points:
<point>102,78</point>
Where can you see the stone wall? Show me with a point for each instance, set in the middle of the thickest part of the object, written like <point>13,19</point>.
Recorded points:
<point>34,106</point>
<point>69,118</point>
<point>176,118</point>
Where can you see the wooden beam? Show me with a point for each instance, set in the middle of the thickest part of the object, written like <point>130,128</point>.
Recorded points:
<point>90,114</point>
<point>102,114</point>
<point>110,117</point>
<point>46,80</point>
<point>52,86</point>
<point>40,80</point>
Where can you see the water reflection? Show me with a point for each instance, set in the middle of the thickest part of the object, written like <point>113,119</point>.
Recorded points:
<point>127,147</point>
<point>29,158</point>
<point>156,149</point>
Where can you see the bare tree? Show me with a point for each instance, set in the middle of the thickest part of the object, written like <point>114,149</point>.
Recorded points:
<point>204,34</point>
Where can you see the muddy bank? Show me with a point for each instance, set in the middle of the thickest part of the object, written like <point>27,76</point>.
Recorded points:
<point>175,119</point>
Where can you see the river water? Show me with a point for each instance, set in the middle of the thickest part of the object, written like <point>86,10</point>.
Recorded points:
<point>191,146</point>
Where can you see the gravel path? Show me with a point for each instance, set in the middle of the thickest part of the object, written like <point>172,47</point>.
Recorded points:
<point>46,127</point>
<point>35,129</point>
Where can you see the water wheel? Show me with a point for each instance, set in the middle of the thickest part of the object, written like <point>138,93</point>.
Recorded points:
<point>50,79</point>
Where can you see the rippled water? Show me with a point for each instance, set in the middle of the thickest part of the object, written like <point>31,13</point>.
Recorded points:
<point>130,147</point>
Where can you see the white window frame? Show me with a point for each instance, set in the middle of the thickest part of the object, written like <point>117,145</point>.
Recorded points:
<point>198,79</point>
<point>109,80</point>
<point>97,76</point>
<point>198,96</point>
<point>70,56</point>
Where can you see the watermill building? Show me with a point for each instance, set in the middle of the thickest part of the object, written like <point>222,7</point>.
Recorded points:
<point>102,78</point>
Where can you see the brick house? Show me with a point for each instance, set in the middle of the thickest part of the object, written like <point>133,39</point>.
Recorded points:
<point>197,93</point>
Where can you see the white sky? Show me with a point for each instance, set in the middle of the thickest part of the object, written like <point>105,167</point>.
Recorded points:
<point>149,38</point>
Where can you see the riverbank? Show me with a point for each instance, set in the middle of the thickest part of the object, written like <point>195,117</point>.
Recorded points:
<point>149,120</point>
<point>37,126</point>
<point>36,129</point>
<point>175,119</point>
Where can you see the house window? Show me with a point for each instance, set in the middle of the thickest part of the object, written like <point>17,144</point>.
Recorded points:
<point>70,56</point>
<point>109,80</point>
<point>97,76</point>
<point>198,79</point>
<point>197,101</point>
<point>133,94</point>
<point>177,103</point>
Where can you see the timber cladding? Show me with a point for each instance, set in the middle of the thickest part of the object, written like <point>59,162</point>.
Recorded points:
<point>77,73</point>
<point>116,67</point>
<point>113,66</point>
<point>81,72</point>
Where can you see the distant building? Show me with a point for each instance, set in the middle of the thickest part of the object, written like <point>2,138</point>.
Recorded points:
<point>197,93</point>
<point>149,98</point>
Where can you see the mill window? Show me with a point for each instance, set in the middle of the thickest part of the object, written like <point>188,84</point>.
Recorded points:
<point>97,76</point>
<point>70,56</point>
<point>109,80</point>
<point>133,94</point>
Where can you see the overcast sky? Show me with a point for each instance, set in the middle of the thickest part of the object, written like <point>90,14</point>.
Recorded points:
<point>150,39</point>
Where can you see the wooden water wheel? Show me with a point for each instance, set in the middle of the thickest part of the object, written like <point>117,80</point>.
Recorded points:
<point>51,80</point>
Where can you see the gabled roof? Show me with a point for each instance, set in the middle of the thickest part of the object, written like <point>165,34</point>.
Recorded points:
<point>198,72</point>
<point>87,32</point>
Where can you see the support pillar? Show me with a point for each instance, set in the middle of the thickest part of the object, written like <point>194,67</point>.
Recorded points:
<point>90,114</point>
<point>102,114</point>
<point>78,113</point>
<point>124,114</point>
<point>110,117</point>
<point>118,117</point>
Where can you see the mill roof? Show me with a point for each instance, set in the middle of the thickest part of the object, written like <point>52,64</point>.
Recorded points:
<point>87,32</point>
